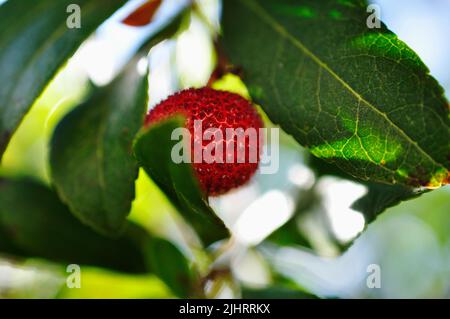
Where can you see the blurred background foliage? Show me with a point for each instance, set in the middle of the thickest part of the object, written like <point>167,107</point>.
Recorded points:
<point>313,253</point>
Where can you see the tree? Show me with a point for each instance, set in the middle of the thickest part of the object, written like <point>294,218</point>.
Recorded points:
<point>340,83</point>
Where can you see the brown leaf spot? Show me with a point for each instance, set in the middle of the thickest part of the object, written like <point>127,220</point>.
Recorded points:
<point>143,15</point>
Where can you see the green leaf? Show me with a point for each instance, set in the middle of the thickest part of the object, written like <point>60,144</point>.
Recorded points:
<point>91,159</point>
<point>379,197</point>
<point>35,42</point>
<point>275,292</point>
<point>152,149</point>
<point>357,97</point>
<point>103,163</point>
<point>289,235</point>
<point>169,264</point>
<point>100,284</point>
<point>34,223</point>
<point>6,246</point>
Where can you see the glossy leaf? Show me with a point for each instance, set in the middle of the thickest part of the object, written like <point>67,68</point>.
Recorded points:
<point>91,159</point>
<point>34,223</point>
<point>357,97</point>
<point>35,42</point>
<point>152,149</point>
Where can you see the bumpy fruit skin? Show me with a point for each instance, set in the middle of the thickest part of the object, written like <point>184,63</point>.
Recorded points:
<point>221,110</point>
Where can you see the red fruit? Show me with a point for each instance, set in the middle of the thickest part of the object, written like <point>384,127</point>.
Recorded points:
<point>221,110</point>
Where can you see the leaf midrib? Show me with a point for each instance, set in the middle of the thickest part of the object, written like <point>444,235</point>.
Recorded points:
<point>252,5</point>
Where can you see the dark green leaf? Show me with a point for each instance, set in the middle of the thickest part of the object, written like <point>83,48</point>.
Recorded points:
<point>8,247</point>
<point>35,42</point>
<point>275,292</point>
<point>34,223</point>
<point>379,197</point>
<point>357,97</point>
<point>169,264</point>
<point>153,149</point>
<point>289,235</point>
<point>91,159</point>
